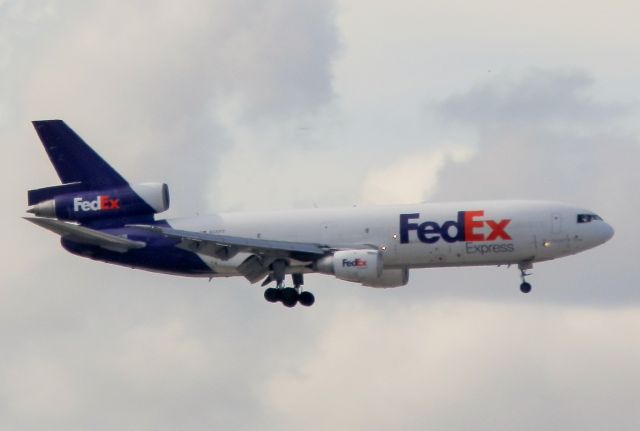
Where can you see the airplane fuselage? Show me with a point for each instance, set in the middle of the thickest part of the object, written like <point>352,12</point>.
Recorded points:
<point>407,236</point>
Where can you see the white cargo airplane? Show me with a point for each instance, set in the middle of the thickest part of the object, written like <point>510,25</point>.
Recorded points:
<point>100,215</point>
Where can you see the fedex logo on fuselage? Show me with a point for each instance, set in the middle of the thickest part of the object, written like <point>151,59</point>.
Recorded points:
<point>468,227</point>
<point>101,203</point>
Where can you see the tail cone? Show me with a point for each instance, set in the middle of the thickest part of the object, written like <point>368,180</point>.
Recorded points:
<point>44,209</point>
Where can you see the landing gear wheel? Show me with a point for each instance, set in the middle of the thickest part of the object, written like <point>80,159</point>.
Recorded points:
<point>307,299</point>
<point>289,297</point>
<point>523,266</point>
<point>272,294</point>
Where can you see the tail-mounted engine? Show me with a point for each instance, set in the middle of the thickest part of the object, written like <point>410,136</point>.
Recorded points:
<point>362,266</point>
<point>85,205</point>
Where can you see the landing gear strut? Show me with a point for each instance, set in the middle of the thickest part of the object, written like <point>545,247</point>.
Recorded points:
<point>289,296</point>
<point>304,298</point>
<point>525,287</point>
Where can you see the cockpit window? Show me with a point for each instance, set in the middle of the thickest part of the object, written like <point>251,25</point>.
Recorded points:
<point>588,218</point>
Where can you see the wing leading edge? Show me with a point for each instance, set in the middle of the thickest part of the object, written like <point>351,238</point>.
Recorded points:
<point>225,246</point>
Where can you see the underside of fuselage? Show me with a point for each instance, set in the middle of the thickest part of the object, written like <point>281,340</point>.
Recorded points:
<point>162,259</point>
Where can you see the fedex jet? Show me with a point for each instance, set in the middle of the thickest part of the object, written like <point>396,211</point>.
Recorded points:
<point>100,215</point>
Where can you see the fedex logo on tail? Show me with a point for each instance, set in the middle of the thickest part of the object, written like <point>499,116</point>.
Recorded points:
<point>469,227</point>
<point>101,203</point>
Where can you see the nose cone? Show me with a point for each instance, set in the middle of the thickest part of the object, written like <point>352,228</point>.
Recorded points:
<point>594,234</point>
<point>606,232</point>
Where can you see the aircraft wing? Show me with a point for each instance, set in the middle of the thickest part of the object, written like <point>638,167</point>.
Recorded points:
<point>85,235</point>
<point>263,251</point>
<point>225,246</point>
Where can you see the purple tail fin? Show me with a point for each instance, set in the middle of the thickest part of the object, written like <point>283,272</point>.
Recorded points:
<point>73,159</point>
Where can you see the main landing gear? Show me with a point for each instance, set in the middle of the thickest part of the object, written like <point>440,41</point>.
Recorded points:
<point>289,296</point>
<point>524,286</point>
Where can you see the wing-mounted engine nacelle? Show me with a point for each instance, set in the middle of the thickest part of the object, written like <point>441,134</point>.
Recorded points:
<point>129,201</point>
<point>362,266</point>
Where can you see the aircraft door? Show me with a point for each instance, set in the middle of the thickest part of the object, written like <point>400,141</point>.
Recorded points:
<point>558,236</point>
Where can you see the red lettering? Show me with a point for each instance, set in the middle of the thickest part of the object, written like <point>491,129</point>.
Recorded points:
<point>498,229</point>
<point>108,204</point>
<point>470,224</point>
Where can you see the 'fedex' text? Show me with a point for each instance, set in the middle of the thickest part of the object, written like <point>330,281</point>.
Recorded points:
<point>101,203</point>
<point>469,227</point>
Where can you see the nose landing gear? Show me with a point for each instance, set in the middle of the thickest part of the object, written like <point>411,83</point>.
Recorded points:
<point>525,287</point>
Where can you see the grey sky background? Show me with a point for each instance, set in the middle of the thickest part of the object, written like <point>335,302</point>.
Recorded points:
<point>243,105</point>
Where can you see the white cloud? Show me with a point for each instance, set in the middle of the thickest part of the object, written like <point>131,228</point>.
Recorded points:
<point>149,354</point>
<point>461,365</point>
<point>290,103</point>
<point>144,84</point>
<point>39,389</point>
<point>412,178</point>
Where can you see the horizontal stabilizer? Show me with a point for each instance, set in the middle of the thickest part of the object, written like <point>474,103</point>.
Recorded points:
<point>47,193</point>
<point>85,235</point>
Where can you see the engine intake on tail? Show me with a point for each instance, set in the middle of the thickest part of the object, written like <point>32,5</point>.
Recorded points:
<point>128,201</point>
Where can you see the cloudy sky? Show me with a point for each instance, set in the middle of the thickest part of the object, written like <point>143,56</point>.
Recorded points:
<point>243,105</point>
